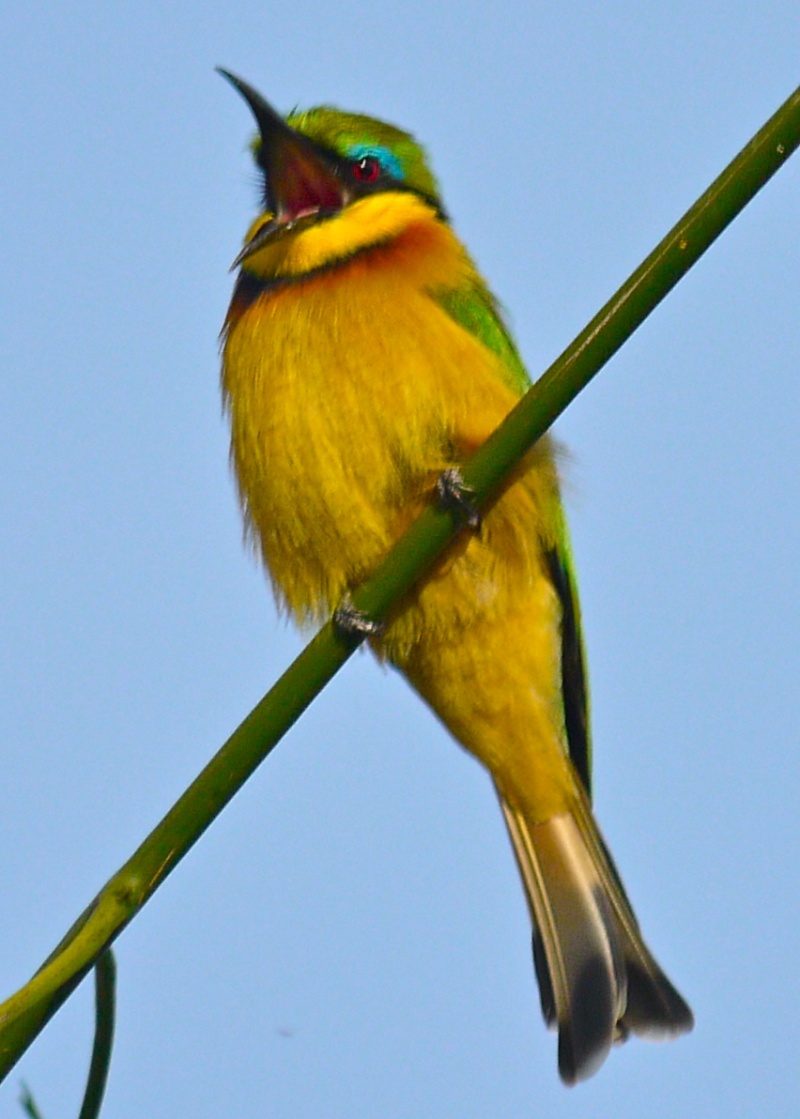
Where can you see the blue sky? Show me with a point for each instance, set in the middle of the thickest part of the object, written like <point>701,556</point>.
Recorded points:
<point>349,939</point>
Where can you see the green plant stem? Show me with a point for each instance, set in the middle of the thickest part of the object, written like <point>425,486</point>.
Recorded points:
<point>105,977</point>
<point>105,999</point>
<point>28,1103</point>
<point>25,1013</point>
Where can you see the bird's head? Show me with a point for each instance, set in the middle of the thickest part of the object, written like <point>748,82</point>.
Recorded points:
<point>335,184</point>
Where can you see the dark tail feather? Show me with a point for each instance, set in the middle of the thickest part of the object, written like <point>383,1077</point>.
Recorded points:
<point>598,981</point>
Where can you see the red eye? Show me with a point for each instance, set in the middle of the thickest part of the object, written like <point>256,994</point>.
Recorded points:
<point>367,169</point>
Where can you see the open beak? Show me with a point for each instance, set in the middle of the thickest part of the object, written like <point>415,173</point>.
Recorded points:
<point>301,181</point>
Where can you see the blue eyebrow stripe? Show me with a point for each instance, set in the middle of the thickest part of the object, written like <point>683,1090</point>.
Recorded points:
<point>387,159</point>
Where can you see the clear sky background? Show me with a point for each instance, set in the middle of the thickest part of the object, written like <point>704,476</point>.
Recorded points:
<point>350,939</point>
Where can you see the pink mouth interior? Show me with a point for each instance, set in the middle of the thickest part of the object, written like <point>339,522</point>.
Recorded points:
<point>306,188</point>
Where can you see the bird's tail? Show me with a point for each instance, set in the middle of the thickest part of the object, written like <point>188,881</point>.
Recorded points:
<point>598,981</point>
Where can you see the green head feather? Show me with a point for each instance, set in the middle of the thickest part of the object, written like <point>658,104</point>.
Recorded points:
<point>353,135</point>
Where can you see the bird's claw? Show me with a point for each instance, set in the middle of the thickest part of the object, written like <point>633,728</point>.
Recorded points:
<point>352,623</point>
<point>454,494</point>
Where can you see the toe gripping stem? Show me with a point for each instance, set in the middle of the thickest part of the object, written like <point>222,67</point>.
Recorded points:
<point>353,624</point>
<point>453,493</point>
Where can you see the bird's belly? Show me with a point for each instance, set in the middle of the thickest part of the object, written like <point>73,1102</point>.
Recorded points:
<point>345,406</point>
<point>346,402</point>
<point>340,425</point>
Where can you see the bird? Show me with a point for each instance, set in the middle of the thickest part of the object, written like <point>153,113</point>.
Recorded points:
<point>364,359</point>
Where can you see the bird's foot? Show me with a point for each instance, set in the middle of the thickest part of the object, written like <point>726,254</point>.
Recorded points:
<point>453,493</point>
<point>354,624</point>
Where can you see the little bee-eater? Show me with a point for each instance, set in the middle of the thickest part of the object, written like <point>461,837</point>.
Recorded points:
<point>365,359</point>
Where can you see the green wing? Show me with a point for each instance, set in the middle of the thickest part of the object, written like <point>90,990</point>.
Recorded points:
<point>475,308</point>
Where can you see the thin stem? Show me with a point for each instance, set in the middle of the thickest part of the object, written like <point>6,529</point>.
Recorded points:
<point>25,1013</point>
<point>105,977</point>
<point>105,983</point>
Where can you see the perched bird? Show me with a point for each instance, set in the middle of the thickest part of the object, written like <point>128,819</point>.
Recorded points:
<point>364,359</point>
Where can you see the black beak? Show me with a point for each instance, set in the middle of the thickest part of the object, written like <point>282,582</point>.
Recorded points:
<point>300,179</point>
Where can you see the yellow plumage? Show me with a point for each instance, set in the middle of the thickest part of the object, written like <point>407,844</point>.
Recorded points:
<point>349,395</point>
<point>352,384</point>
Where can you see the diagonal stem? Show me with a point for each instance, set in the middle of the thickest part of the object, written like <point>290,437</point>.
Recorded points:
<point>24,1015</point>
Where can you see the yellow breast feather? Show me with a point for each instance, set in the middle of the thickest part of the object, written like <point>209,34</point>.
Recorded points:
<point>349,393</point>
<point>363,355</point>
